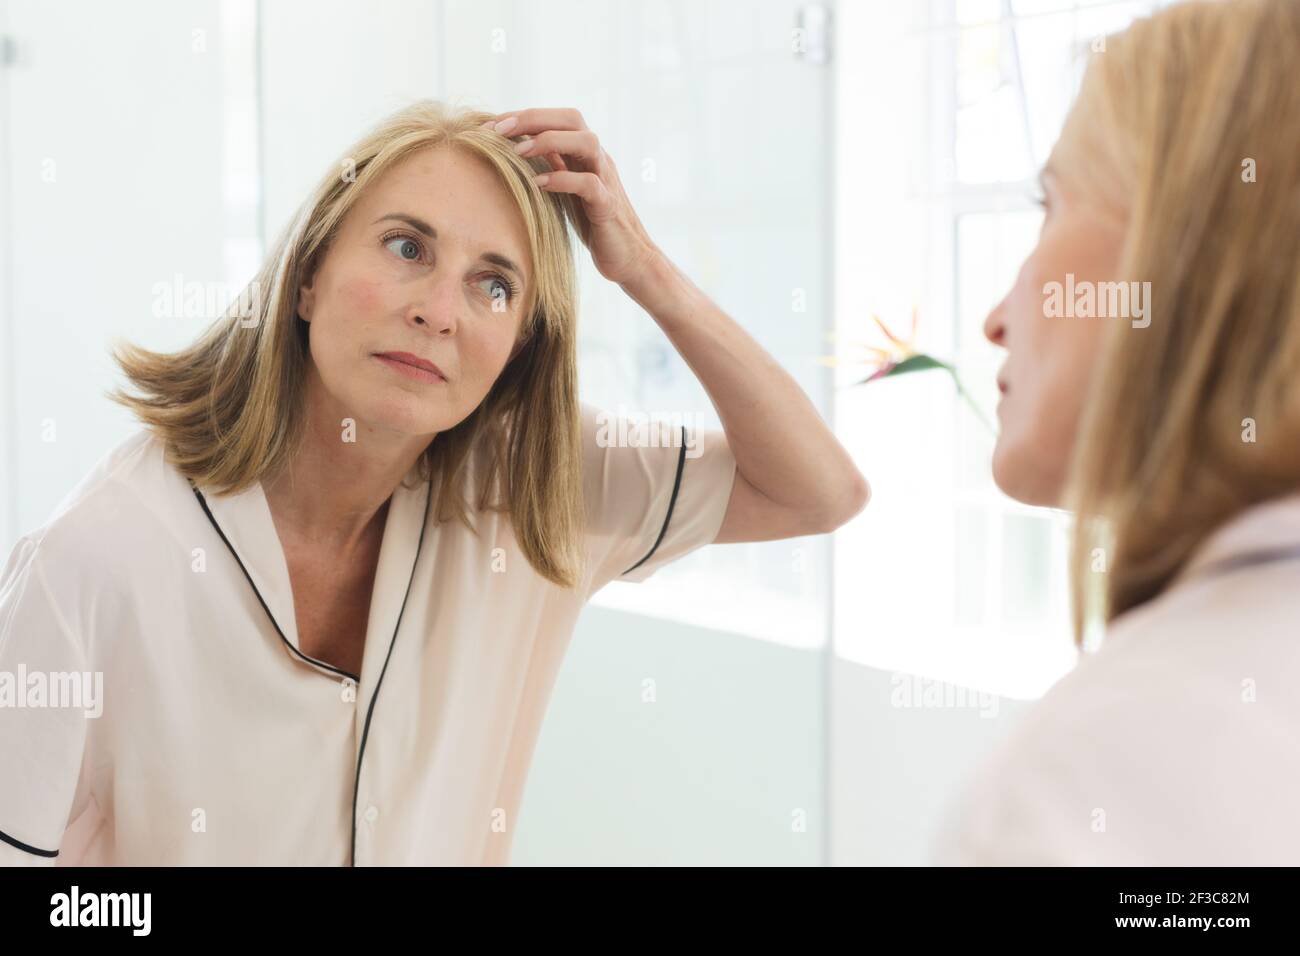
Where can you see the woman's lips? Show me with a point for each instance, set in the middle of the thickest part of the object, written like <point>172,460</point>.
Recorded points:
<point>402,363</point>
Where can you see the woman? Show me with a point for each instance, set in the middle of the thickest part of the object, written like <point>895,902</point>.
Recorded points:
<point>330,584</point>
<point>1172,430</point>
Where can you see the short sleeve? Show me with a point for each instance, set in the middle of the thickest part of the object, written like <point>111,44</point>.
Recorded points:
<point>46,698</point>
<point>655,490</point>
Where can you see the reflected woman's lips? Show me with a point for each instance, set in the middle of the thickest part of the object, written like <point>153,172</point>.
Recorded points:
<point>412,366</point>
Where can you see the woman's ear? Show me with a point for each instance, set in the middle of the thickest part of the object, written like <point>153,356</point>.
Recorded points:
<point>306,299</point>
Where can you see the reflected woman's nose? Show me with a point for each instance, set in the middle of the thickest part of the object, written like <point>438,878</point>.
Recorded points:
<point>438,309</point>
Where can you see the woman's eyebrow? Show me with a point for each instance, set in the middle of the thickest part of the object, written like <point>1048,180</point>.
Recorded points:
<point>419,225</point>
<point>499,260</point>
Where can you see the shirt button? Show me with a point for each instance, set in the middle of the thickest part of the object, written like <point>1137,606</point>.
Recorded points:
<point>372,813</point>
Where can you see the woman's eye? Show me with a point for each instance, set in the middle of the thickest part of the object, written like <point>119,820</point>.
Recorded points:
<point>1045,207</point>
<point>404,247</point>
<point>497,288</point>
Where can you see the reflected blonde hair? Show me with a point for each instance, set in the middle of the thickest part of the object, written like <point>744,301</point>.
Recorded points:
<point>1170,119</point>
<point>228,408</point>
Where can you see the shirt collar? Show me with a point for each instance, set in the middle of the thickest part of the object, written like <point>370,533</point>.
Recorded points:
<point>245,520</point>
<point>1271,525</point>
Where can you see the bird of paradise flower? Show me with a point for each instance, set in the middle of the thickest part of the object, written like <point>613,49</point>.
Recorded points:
<point>900,356</point>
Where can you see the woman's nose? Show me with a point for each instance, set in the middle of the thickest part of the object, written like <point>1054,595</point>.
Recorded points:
<point>437,309</point>
<point>995,329</point>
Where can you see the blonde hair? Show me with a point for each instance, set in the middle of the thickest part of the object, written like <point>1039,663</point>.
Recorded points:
<point>228,408</point>
<point>1172,119</point>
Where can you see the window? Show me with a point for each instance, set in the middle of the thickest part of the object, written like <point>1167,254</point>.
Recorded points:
<point>947,113</point>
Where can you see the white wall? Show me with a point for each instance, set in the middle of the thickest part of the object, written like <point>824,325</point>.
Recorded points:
<point>896,769</point>
<point>329,70</point>
<point>114,183</point>
<point>725,767</point>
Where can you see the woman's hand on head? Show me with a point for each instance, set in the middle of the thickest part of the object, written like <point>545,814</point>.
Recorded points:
<point>619,244</point>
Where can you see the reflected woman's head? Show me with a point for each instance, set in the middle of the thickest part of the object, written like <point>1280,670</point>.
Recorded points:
<point>432,260</point>
<point>428,238</point>
<point>1177,174</point>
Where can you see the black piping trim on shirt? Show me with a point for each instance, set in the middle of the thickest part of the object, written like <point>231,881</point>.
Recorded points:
<point>672,502</point>
<point>310,660</point>
<point>19,844</point>
<point>370,711</point>
<point>1249,559</point>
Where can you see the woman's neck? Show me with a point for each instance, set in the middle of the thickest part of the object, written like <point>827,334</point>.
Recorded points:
<point>333,494</point>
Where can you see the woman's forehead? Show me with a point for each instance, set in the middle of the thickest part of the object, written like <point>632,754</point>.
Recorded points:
<point>459,196</point>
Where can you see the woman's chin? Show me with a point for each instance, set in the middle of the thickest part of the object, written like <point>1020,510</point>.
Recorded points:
<point>404,417</point>
<point>1020,475</point>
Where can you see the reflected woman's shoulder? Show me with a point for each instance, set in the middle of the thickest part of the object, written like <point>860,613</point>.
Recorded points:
<point>121,494</point>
